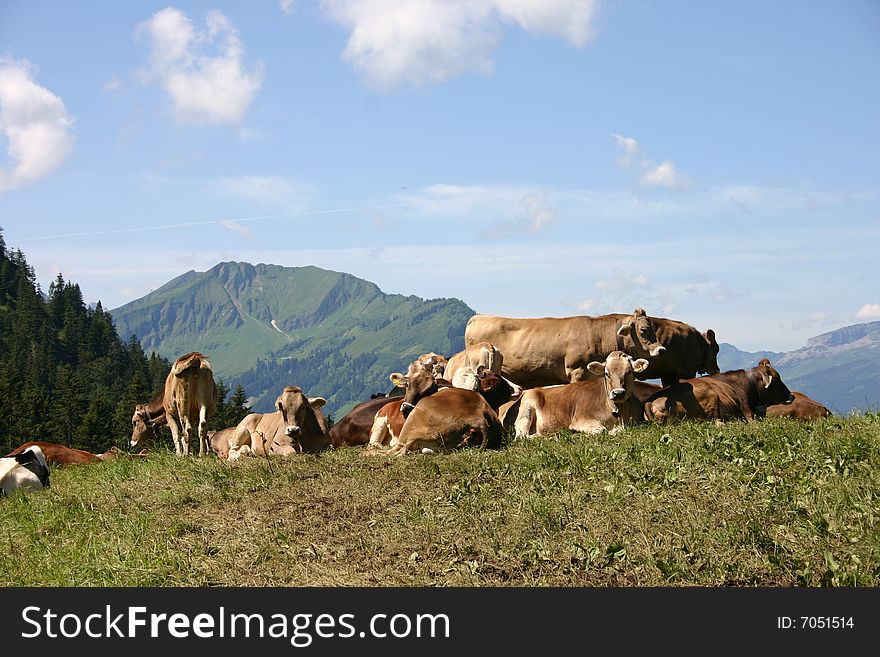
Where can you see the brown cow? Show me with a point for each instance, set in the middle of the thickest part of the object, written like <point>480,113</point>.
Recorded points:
<point>442,419</point>
<point>354,428</point>
<point>190,399</point>
<point>552,350</point>
<point>802,408</point>
<point>743,394</point>
<point>146,418</point>
<point>63,455</point>
<point>296,426</point>
<point>549,351</point>
<point>591,406</point>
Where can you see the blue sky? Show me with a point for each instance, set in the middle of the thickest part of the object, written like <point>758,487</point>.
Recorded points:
<point>712,162</point>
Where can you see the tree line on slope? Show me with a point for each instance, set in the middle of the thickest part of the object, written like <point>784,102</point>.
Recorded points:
<point>65,374</point>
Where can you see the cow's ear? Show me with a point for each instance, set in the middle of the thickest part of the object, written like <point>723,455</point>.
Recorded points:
<point>398,379</point>
<point>639,312</point>
<point>640,365</point>
<point>710,336</point>
<point>624,330</point>
<point>317,402</point>
<point>596,368</point>
<point>278,404</point>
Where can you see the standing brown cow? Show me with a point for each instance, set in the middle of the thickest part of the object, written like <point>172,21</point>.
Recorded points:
<point>190,399</point>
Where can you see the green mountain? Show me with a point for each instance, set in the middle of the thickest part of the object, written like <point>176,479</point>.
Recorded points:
<point>840,368</point>
<point>267,326</point>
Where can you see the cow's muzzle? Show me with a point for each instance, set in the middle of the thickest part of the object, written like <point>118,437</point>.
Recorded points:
<point>406,408</point>
<point>790,399</point>
<point>292,430</point>
<point>617,394</point>
<point>657,351</point>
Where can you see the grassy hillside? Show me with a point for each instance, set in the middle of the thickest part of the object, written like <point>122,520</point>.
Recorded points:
<point>773,503</point>
<point>267,326</point>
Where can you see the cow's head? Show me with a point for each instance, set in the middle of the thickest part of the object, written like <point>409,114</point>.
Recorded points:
<point>434,363</point>
<point>418,384</point>
<point>142,426</point>
<point>305,425</point>
<point>771,389</point>
<point>710,365</point>
<point>495,389</point>
<point>619,370</point>
<point>639,335</point>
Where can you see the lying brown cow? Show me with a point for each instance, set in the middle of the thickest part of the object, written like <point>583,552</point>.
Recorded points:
<point>445,419</point>
<point>297,426</point>
<point>590,406</point>
<point>743,394</point>
<point>390,418</point>
<point>802,408</point>
<point>63,455</point>
<point>354,428</point>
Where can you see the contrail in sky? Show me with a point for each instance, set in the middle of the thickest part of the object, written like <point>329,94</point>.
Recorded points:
<point>214,221</point>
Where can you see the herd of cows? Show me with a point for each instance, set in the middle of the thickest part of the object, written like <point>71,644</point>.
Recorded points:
<point>534,376</point>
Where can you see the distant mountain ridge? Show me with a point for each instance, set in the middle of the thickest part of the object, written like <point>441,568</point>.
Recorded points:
<point>268,326</point>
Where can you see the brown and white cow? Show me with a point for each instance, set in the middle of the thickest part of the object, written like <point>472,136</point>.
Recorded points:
<point>802,408</point>
<point>743,394</point>
<point>190,399</point>
<point>355,426</point>
<point>590,406</point>
<point>548,351</point>
<point>442,418</point>
<point>296,426</point>
<point>389,419</point>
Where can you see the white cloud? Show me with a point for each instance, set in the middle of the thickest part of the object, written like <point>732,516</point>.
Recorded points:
<point>424,42</point>
<point>869,311</point>
<point>656,175</point>
<point>275,191</point>
<point>112,85</point>
<point>539,212</point>
<point>629,148</point>
<point>35,123</point>
<point>235,227</point>
<point>664,175</point>
<point>287,6</point>
<point>202,70</point>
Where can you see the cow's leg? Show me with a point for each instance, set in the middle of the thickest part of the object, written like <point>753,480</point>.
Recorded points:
<point>525,420</point>
<point>378,432</point>
<point>203,430</point>
<point>175,435</point>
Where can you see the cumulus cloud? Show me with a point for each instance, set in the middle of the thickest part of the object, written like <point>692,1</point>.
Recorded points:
<point>201,69</point>
<point>424,42</point>
<point>535,213</point>
<point>655,175</point>
<point>287,6</point>
<point>35,124</point>
<point>869,311</point>
<point>664,175</point>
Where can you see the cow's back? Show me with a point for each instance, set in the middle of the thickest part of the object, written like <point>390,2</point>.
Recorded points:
<point>802,408</point>
<point>545,350</point>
